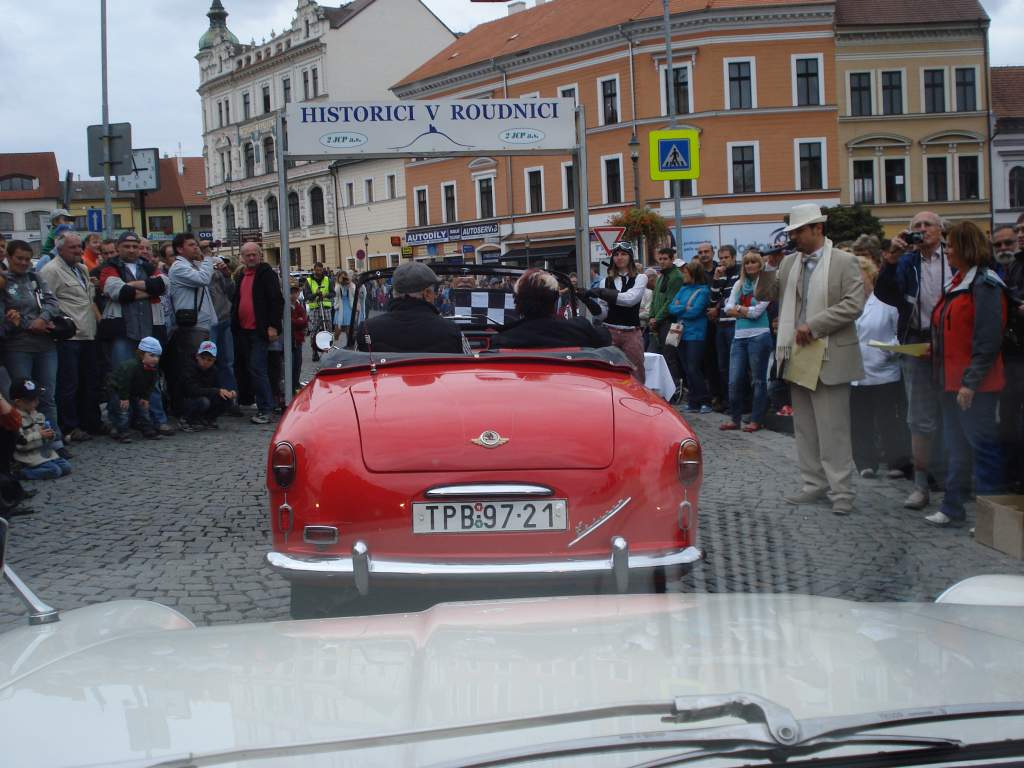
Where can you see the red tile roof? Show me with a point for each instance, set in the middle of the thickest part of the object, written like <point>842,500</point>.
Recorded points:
<point>915,12</point>
<point>1008,92</point>
<point>178,191</point>
<point>558,20</point>
<point>38,165</point>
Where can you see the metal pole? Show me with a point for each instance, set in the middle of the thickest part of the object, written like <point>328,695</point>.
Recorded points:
<point>108,216</point>
<point>142,213</point>
<point>670,82</point>
<point>285,260</point>
<point>582,203</point>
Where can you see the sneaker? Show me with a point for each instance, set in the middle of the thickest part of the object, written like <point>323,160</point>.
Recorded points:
<point>187,426</point>
<point>747,418</point>
<point>804,497</point>
<point>150,433</point>
<point>895,474</point>
<point>166,430</point>
<point>211,424</point>
<point>728,426</point>
<point>868,473</point>
<point>918,499</point>
<point>842,508</point>
<point>753,427</point>
<point>691,409</point>
<point>260,418</point>
<point>121,437</point>
<point>77,435</point>
<point>706,409</point>
<point>942,520</point>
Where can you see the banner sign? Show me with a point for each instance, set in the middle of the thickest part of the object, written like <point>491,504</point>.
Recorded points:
<point>422,128</point>
<point>452,234</point>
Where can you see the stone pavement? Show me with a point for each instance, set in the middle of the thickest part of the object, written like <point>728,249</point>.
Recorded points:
<point>183,521</point>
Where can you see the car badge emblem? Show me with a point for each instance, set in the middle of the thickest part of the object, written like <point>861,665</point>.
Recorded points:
<point>489,439</point>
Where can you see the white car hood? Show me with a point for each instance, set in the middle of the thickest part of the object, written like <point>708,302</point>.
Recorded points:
<point>159,693</point>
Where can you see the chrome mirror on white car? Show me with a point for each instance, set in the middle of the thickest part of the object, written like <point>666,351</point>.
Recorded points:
<point>38,611</point>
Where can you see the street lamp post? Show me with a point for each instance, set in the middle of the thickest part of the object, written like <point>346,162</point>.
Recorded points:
<point>634,156</point>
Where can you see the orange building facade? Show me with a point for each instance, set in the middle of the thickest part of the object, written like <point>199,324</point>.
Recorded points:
<point>756,79</point>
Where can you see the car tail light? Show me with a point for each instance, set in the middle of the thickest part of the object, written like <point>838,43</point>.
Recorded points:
<point>689,462</point>
<point>282,463</point>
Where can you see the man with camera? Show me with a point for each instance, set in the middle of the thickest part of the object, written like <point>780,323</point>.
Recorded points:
<point>912,279</point>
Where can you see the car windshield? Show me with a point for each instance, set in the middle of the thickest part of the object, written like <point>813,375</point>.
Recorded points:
<point>376,369</point>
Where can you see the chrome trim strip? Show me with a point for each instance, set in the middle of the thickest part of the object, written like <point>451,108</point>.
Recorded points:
<point>601,520</point>
<point>343,566</point>
<point>309,529</point>
<point>487,489</point>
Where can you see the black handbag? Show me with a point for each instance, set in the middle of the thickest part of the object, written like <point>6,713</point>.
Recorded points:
<point>64,327</point>
<point>187,318</point>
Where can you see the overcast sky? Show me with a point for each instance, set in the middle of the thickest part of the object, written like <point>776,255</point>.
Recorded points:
<point>50,65</point>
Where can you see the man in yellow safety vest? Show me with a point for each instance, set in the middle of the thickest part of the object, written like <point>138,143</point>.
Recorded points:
<point>319,292</point>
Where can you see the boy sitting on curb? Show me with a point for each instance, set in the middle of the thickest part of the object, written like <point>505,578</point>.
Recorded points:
<point>134,380</point>
<point>34,454</point>
<point>204,399</point>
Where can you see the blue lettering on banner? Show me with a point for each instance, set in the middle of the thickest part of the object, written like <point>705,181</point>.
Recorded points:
<point>451,234</point>
<point>403,113</point>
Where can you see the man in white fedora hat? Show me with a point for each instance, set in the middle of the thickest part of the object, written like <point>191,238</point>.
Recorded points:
<point>820,293</point>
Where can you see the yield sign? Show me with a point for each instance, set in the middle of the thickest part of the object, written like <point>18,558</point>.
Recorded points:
<point>608,236</point>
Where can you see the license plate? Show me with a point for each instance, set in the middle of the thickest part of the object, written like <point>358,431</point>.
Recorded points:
<point>490,516</point>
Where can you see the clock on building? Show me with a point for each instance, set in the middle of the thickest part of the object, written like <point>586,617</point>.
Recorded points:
<point>146,174</point>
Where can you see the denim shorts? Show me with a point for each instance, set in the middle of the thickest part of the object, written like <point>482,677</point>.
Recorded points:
<point>923,397</point>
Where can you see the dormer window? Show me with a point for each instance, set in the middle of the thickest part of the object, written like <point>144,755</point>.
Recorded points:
<point>18,183</point>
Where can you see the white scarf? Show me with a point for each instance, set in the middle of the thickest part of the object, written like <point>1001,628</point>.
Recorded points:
<point>816,300</point>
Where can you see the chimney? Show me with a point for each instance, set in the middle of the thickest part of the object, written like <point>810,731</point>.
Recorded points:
<point>516,7</point>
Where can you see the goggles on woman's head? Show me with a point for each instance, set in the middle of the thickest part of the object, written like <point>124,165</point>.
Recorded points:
<point>623,246</point>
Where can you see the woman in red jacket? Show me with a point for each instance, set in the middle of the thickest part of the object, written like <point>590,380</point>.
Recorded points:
<point>967,335</point>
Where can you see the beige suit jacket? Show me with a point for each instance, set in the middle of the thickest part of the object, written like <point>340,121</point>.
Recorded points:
<point>838,321</point>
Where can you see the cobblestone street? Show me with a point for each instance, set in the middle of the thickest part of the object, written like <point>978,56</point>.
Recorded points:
<point>182,521</point>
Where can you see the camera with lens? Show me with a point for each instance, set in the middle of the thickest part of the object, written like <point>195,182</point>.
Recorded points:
<point>215,244</point>
<point>913,238</point>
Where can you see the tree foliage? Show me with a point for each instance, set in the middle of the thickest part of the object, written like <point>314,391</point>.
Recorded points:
<point>848,222</point>
<point>642,223</point>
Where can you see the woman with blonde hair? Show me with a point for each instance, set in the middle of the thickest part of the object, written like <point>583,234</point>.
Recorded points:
<point>751,345</point>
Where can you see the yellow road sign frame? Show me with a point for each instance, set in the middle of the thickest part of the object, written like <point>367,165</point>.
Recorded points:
<point>690,134</point>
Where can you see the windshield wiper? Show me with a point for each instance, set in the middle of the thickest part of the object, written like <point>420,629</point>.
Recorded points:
<point>768,727</point>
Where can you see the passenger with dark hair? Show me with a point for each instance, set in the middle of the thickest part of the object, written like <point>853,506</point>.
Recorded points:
<point>536,297</point>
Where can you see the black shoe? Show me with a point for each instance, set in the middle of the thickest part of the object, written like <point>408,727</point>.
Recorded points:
<point>64,453</point>
<point>150,434</point>
<point>121,437</point>
<point>211,424</point>
<point>187,426</point>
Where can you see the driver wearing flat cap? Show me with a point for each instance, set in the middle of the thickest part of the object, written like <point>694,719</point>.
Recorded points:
<point>411,323</point>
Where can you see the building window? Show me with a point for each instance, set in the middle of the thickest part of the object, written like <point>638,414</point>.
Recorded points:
<point>229,218</point>
<point>252,214</point>
<point>246,107</point>
<point>392,187</point>
<point>612,179</point>
<point>812,164</point>
<point>294,221</point>
<point>227,112</point>
<point>681,86</point>
<point>316,82</point>
<point>422,208</point>
<point>273,223</point>
<point>316,206</point>
<point>741,85</point>
<point>307,27</point>
<point>163,224</point>
<point>892,93</point>
<point>966,90</point>
<point>609,94</point>
<point>250,160</point>
<point>534,190</point>
<point>305,85</point>
<point>220,114</point>
<point>485,197</point>
<point>895,180</point>
<point>17,184</point>
<point>808,82</point>
<point>864,182</point>
<point>350,193</point>
<point>1016,187</point>
<point>368,190</point>
<point>205,221</point>
<point>266,99</point>
<point>569,179</point>
<point>568,92</point>
<point>934,90</point>
<point>286,84</point>
<point>450,208</point>
<point>860,94</point>
<point>7,218</point>
<point>938,179</point>
<point>743,159</point>
<point>33,220</point>
<point>268,154</point>
<point>969,176</point>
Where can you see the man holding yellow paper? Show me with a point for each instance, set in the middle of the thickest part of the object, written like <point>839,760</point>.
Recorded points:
<point>820,293</point>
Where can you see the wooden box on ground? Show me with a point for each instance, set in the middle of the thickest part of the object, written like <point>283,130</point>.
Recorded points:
<point>1000,524</point>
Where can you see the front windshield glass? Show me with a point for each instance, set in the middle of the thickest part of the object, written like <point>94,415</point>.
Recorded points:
<point>703,399</point>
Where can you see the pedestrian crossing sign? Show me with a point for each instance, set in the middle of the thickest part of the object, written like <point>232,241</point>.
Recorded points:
<point>675,154</point>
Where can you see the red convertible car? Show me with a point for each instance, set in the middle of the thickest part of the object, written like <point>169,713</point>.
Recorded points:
<point>487,468</point>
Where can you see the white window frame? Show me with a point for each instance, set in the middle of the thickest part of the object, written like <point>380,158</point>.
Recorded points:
<point>604,179</point>
<point>530,95</point>
<point>618,100</point>
<point>904,90</point>
<point>906,177</point>
<point>366,198</point>
<point>821,76</point>
<point>981,172</point>
<point>823,143</point>
<point>416,205</point>
<point>391,182</point>
<point>875,86</point>
<point>576,92</point>
<point>668,189</point>
<point>752,60</point>
<point>571,164</point>
<point>757,164</point>
<point>444,210</point>
<point>526,188</point>
<point>951,182</point>
<point>978,106</point>
<point>350,193</point>
<point>874,180</point>
<point>950,100</point>
<point>477,178</point>
<point>663,79</point>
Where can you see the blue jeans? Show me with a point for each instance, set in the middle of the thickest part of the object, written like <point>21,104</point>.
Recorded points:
<point>749,360</point>
<point>966,432</point>
<point>48,470</point>
<point>221,336</point>
<point>124,349</point>
<point>723,341</point>
<point>691,358</point>
<point>41,367</point>
<point>256,353</point>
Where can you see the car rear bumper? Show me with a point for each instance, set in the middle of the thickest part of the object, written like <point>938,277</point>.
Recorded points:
<point>363,568</point>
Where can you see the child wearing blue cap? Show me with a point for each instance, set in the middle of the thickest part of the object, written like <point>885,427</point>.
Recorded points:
<point>133,381</point>
<point>204,399</point>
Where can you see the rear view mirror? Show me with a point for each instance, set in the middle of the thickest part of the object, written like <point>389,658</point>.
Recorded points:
<point>324,340</point>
